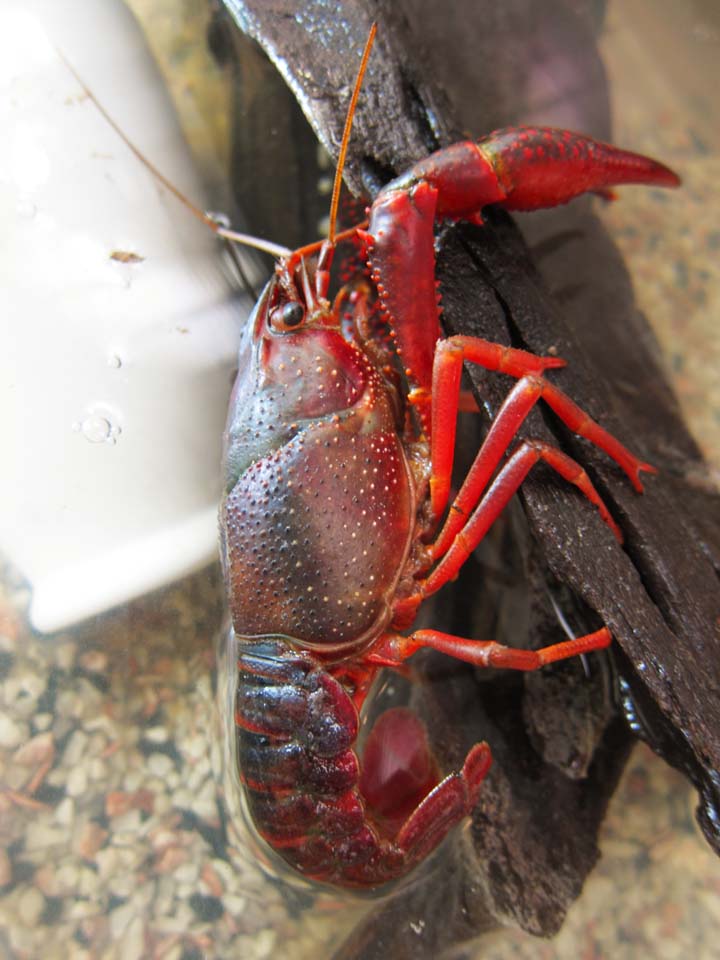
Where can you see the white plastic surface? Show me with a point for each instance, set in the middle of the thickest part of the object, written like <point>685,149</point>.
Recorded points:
<point>115,375</point>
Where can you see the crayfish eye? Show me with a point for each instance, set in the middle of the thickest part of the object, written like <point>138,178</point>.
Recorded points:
<point>288,316</point>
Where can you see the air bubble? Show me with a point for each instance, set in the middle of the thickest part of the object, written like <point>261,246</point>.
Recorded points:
<point>96,429</point>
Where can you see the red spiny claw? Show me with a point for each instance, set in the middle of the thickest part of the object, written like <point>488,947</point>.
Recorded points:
<point>543,166</point>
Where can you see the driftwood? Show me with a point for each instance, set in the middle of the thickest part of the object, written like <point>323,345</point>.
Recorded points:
<point>559,739</point>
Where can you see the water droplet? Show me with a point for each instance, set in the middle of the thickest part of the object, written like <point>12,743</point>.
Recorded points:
<point>114,361</point>
<point>96,429</point>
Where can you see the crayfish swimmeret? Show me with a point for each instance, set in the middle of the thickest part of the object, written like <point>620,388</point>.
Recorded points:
<point>338,455</point>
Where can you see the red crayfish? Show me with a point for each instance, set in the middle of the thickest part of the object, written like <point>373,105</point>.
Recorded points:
<point>338,454</point>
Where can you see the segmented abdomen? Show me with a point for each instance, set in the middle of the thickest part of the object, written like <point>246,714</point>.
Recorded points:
<point>296,727</point>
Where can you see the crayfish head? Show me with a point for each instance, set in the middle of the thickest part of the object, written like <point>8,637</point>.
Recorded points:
<point>294,367</point>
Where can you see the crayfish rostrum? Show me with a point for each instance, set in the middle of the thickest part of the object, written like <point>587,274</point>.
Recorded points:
<point>335,522</point>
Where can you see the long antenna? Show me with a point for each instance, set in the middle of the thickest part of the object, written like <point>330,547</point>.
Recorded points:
<point>346,133</point>
<point>274,249</point>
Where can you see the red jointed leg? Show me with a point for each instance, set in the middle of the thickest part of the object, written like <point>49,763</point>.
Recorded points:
<point>494,501</point>
<point>513,363</point>
<point>395,649</point>
<point>449,357</point>
<point>447,371</point>
<point>508,420</point>
<point>580,423</point>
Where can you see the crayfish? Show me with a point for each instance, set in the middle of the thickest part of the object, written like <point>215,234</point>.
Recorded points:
<point>336,521</point>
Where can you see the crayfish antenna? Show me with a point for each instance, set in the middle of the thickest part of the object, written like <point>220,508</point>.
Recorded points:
<point>211,221</point>
<point>334,203</point>
<point>327,247</point>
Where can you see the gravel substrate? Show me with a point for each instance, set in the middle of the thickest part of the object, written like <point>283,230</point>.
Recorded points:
<point>115,840</point>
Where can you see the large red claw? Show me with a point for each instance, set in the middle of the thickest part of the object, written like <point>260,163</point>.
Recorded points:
<point>543,166</point>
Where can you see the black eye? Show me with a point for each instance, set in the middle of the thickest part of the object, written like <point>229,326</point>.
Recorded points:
<point>289,315</point>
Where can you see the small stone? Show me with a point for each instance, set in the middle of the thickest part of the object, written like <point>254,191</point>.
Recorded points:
<point>5,868</point>
<point>40,836</point>
<point>87,885</point>
<point>195,747</point>
<point>172,952</point>
<point>65,812</point>
<point>83,909</point>
<point>162,803</point>
<point>41,721</point>
<point>122,885</point>
<point>97,745</point>
<point>156,734</point>
<point>12,734</point>
<point>103,724</point>
<point>97,769</point>
<point>198,775</point>
<point>211,880</point>
<point>133,780</point>
<point>265,943</point>
<point>106,861</point>
<point>46,880</point>
<point>21,940</point>
<point>75,750</point>
<point>183,799</point>
<point>234,905</point>
<point>170,859</point>
<point>68,876</point>
<point>91,838</point>
<point>118,802</point>
<point>160,765</point>
<point>36,751</point>
<point>77,782</point>
<point>65,655</point>
<point>23,692</point>
<point>31,904</point>
<point>133,946</point>
<point>226,872</point>
<point>162,838</point>
<point>94,661</point>
<point>120,919</point>
<point>188,873</point>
